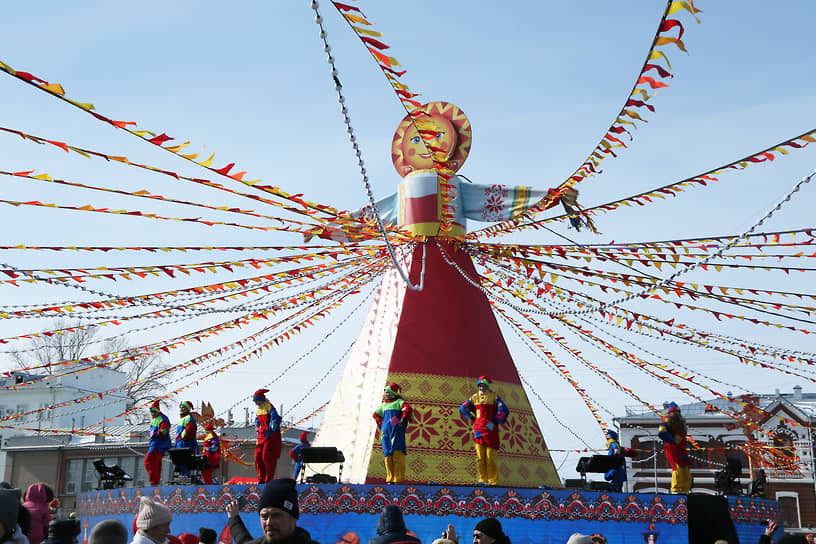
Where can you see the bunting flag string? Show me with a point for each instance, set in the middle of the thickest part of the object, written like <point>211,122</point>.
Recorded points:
<point>447,191</point>
<point>644,366</point>
<point>29,175</point>
<point>257,351</point>
<point>644,89</point>
<point>350,282</point>
<point>536,291</point>
<point>659,193</point>
<point>171,270</point>
<point>693,290</point>
<point>56,90</point>
<point>753,241</point>
<point>227,290</point>
<point>682,333</point>
<point>286,335</point>
<point>343,219</point>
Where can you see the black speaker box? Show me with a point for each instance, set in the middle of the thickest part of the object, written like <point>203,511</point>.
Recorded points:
<point>709,520</point>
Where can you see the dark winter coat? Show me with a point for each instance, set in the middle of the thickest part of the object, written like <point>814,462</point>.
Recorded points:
<point>391,528</point>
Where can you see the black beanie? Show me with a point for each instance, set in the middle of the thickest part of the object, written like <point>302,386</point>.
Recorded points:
<point>280,493</point>
<point>207,535</point>
<point>491,527</point>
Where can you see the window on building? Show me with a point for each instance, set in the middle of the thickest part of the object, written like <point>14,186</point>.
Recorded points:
<point>789,511</point>
<point>73,473</point>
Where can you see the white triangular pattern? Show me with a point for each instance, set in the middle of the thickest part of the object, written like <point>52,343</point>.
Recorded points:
<point>348,424</point>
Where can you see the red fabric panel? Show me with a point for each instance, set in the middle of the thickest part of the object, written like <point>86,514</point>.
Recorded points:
<point>448,328</point>
<point>422,209</point>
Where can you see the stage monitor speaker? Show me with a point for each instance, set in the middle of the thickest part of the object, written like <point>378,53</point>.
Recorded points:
<point>574,483</point>
<point>709,520</point>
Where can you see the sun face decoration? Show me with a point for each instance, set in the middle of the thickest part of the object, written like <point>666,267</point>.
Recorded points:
<point>450,134</point>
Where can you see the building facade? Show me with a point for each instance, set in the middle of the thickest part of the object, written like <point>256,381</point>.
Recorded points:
<point>66,462</point>
<point>780,433</point>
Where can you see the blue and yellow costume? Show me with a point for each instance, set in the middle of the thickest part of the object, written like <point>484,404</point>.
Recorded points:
<point>186,433</point>
<point>393,417</point>
<point>615,476</point>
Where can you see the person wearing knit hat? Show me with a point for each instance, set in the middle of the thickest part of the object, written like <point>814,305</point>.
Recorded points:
<point>278,512</point>
<point>391,528</point>
<point>212,451</point>
<point>63,531</point>
<point>488,411</point>
<point>489,531</point>
<point>268,445</point>
<point>158,443</point>
<point>152,522</point>
<point>672,431</point>
<point>392,417</point>
<point>9,509</point>
<point>615,476</point>
<point>296,453</point>
<point>205,536</point>
<point>578,538</point>
<point>186,433</point>
<point>108,531</point>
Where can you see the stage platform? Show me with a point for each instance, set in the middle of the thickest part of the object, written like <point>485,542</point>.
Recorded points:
<point>347,514</point>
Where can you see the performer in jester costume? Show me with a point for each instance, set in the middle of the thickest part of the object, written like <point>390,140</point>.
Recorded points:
<point>295,453</point>
<point>268,446</point>
<point>488,411</point>
<point>158,443</point>
<point>615,476</point>
<point>212,450</point>
<point>393,417</point>
<point>186,433</point>
<point>673,432</point>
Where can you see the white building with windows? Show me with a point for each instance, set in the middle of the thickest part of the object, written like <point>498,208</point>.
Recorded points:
<point>31,403</point>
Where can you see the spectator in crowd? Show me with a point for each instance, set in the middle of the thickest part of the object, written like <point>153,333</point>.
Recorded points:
<point>578,538</point>
<point>449,536</point>
<point>23,516</point>
<point>108,531</point>
<point>152,523</point>
<point>784,539</point>
<point>36,502</point>
<point>489,531</point>
<point>391,527</point>
<point>207,535</point>
<point>9,510</point>
<point>278,511</point>
<point>63,531</point>
<point>188,538</point>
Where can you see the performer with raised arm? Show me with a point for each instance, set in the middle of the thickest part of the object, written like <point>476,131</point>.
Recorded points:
<point>158,443</point>
<point>488,411</point>
<point>268,447</point>
<point>212,450</point>
<point>393,416</point>
<point>673,432</point>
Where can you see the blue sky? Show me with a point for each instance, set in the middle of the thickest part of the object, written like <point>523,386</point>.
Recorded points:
<point>540,82</point>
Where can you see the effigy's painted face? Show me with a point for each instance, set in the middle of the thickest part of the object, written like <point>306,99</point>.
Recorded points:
<point>416,152</point>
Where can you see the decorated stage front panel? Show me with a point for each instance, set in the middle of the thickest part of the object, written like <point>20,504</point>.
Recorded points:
<point>440,440</point>
<point>347,514</point>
